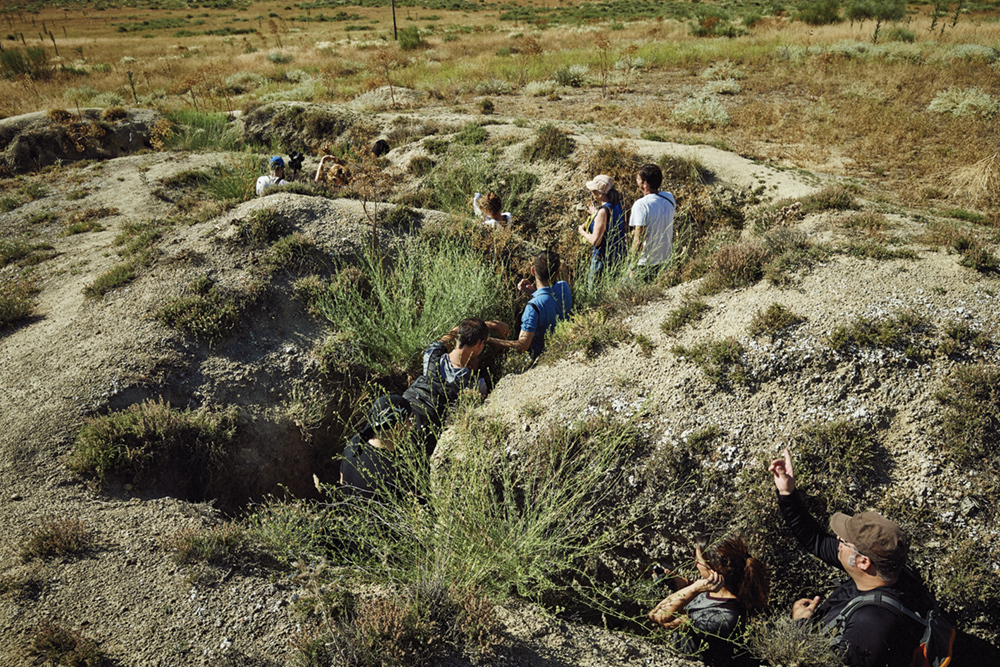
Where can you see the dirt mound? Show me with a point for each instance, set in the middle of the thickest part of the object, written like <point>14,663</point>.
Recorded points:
<point>37,140</point>
<point>294,125</point>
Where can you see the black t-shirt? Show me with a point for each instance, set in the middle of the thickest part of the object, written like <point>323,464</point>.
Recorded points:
<point>368,471</point>
<point>874,636</point>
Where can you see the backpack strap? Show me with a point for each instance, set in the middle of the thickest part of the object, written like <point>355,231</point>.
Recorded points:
<point>876,598</point>
<point>673,202</point>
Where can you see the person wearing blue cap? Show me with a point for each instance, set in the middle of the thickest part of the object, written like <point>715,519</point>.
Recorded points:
<point>368,468</point>
<point>277,176</point>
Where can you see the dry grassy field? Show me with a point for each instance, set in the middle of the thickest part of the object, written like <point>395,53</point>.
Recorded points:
<point>916,109</point>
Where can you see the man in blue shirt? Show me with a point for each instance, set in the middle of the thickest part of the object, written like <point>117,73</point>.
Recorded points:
<point>550,302</point>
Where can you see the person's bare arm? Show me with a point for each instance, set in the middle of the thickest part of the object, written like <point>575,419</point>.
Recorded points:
<point>319,169</point>
<point>638,236</point>
<point>600,225</point>
<point>667,613</point>
<point>522,343</point>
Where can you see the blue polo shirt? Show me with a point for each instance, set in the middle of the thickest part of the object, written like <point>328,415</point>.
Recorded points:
<point>548,305</point>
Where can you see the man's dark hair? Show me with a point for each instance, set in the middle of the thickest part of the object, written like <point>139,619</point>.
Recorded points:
<point>651,174</point>
<point>546,266</point>
<point>470,331</point>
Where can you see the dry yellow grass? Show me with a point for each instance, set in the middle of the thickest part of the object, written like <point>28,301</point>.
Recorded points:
<point>811,97</point>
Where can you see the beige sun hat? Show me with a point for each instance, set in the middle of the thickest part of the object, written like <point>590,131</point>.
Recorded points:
<point>602,184</point>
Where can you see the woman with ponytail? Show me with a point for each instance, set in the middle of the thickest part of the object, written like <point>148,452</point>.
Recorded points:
<point>733,586</point>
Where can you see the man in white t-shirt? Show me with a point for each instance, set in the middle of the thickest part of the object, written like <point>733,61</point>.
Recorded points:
<point>652,219</point>
<point>276,177</point>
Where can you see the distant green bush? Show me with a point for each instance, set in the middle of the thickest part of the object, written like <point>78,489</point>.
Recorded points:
<point>32,62</point>
<point>410,39</point>
<point>550,143</point>
<point>819,12</point>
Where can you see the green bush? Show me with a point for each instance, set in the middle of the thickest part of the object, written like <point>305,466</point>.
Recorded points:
<point>211,315</point>
<point>259,228</point>
<point>819,12</point>
<point>472,134</point>
<point>972,413</point>
<point>896,331</point>
<point>409,302</point>
<point>590,332</point>
<point>547,506</point>
<point>550,143</point>
<point>233,182</point>
<point>455,179</point>
<point>410,39</point>
<point>140,440</point>
<point>420,165</point>
<point>31,62</point>
<point>720,361</point>
<point>833,198</point>
<point>682,315</point>
<point>837,461</point>
<point>773,321</point>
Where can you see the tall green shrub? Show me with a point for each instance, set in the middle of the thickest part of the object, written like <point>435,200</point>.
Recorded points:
<point>400,306</point>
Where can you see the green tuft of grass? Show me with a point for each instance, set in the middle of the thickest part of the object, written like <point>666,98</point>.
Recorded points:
<point>873,249</point>
<point>56,536</point>
<point>967,216</point>
<point>870,222</point>
<point>646,346</point>
<point>295,253</point>
<point>590,332</point>
<point>472,134</point>
<point>224,544</point>
<point>211,315</point>
<point>971,423</point>
<point>16,303</point>
<point>774,320</point>
<point>23,253</point>
<point>87,220</point>
<point>720,361</point>
<point>736,265</point>
<point>54,644</point>
<point>550,143</point>
<point>137,442</point>
<point>958,334</point>
<point>688,312</point>
<point>420,165</point>
<point>684,170</point>
<point>895,332</point>
<point>118,275</point>
<point>200,131</point>
<point>837,461</point>
<point>261,227</point>
<point>781,640</point>
<point>835,198</point>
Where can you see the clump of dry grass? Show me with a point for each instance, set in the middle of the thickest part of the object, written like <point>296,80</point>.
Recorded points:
<point>979,183</point>
<point>56,536</point>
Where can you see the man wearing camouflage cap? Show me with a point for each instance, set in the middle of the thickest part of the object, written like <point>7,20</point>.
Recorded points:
<point>872,550</point>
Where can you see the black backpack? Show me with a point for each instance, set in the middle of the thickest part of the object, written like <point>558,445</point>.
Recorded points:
<point>936,644</point>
